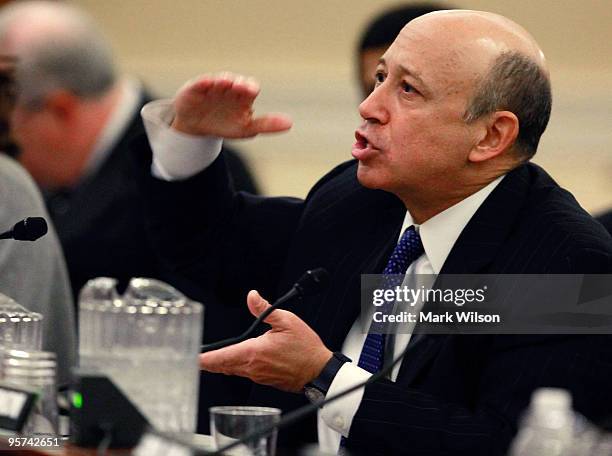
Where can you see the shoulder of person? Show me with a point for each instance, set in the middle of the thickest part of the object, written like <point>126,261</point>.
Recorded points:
<point>584,243</point>
<point>18,188</point>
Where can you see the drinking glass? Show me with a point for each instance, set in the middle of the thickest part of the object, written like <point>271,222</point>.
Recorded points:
<point>229,424</point>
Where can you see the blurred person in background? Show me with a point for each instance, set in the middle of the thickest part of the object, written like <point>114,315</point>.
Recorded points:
<point>73,120</point>
<point>32,273</point>
<point>378,36</point>
<point>7,100</point>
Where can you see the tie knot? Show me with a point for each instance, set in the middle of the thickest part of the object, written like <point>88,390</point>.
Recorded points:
<point>408,249</point>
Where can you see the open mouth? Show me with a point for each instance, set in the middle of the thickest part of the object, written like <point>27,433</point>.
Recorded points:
<point>362,141</point>
<point>363,148</point>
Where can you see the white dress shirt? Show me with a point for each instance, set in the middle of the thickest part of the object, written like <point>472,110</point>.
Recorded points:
<point>178,156</point>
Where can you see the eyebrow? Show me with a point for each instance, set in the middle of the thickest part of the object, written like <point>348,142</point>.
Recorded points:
<point>407,71</point>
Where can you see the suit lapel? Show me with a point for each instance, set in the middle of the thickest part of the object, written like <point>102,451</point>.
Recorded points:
<point>368,257</point>
<point>474,250</point>
<point>490,226</point>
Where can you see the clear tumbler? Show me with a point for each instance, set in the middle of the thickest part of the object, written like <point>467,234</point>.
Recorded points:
<point>230,423</point>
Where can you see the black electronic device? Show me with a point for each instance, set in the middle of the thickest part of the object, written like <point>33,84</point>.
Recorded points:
<point>100,411</point>
<point>16,403</point>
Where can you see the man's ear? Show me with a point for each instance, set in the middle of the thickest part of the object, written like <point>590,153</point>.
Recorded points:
<point>62,104</point>
<point>500,130</point>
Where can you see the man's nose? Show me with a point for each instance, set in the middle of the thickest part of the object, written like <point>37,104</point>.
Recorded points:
<point>374,108</point>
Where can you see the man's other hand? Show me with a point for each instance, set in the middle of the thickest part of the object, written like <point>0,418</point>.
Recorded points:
<point>287,357</point>
<point>222,105</point>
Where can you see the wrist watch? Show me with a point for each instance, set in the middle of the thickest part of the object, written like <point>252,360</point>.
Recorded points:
<point>316,390</point>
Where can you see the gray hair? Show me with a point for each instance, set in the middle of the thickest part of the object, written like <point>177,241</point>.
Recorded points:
<point>69,52</point>
<point>517,84</point>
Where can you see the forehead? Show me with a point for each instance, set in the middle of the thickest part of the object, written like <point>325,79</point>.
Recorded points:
<point>442,61</point>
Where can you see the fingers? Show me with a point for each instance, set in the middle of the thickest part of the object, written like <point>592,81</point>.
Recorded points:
<point>257,305</point>
<point>238,87</point>
<point>271,123</point>
<point>245,87</point>
<point>222,105</point>
<point>228,360</point>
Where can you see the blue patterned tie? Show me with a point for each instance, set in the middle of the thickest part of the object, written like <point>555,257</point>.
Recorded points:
<point>408,249</point>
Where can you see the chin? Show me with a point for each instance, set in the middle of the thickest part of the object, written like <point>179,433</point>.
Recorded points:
<point>370,178</point>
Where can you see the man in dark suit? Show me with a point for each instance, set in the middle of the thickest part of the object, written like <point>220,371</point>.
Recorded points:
<point>73,121</point>
<point>460,103</point>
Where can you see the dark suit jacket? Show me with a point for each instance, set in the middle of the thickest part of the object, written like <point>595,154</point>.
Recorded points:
<point>100,222</point>
<point>606,220</point>
<point>454,394</point>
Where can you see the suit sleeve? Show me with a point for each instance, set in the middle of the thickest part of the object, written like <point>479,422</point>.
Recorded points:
<point>213,243</point>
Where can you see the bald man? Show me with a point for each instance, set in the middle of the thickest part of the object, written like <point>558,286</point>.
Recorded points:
<point>442,170</point>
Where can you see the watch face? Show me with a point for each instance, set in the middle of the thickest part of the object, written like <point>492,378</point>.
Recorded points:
<point>313,394</point>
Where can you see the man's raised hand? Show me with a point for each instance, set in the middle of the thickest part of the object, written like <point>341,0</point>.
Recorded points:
<point>222,105</point>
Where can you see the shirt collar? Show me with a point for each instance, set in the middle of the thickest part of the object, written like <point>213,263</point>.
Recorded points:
<point>440,232</point>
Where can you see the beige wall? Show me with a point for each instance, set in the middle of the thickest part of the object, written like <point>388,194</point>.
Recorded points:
<point>301,52</point>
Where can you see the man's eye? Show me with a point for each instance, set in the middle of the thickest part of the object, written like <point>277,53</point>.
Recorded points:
<point>407,87</point>
<point>379,78</point>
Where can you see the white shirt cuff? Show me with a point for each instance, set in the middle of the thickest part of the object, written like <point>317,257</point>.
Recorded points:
<point>176,155</point>
<point>339,414</point>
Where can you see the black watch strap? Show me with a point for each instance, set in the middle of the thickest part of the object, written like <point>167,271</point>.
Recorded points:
<point>327,375</point>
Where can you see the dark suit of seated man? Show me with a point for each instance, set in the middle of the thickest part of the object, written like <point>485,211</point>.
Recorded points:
<point>460,103</point>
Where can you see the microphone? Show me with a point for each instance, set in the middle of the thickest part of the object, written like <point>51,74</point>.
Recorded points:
<point>29,229</point>
<point>312,282</point>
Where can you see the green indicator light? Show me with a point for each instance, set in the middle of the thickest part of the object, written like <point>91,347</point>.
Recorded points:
<point>77,400</point>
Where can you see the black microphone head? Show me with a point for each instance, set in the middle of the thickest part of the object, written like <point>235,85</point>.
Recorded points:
<point>313,281</point>
<point>30,229</point>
